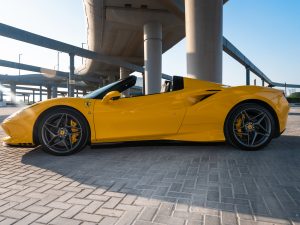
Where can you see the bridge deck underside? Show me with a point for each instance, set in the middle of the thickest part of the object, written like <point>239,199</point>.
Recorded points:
<point>115,28</point>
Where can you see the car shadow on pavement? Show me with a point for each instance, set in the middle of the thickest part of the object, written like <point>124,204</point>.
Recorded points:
<point>262,184</point>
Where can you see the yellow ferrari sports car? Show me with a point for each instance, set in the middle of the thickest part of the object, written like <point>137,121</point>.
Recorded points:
<point>248,117</point>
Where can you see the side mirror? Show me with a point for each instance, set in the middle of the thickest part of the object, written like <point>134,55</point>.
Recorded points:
<point>113,95</point>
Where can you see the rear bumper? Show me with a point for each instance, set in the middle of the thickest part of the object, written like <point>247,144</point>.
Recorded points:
<point>282,109</point>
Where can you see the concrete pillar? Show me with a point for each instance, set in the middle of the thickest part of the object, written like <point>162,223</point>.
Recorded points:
<point>1,94</point>
<point>144,89</point>
<point>49,92</point>
<point>13,92</point>
<point>84,92</point>
<point>54,91</point>
<point>77,92</point>
<point>124,73</point>
<point>41,93</point>
<point>204,36</point>
<point>262,82</point>
<point>285,92</point>
<point>71,81</point>
<point>33,96</point>
<point>24,98</point>
<point>153,57</point>
<point>247,76</point>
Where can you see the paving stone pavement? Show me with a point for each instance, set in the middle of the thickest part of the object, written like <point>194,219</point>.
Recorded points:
<point>154,183</point>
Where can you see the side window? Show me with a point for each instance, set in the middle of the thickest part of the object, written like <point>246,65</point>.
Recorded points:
<point>168,86</point>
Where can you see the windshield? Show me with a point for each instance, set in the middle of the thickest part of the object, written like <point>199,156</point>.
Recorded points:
<point>97,92</point>
<point>120,85</point>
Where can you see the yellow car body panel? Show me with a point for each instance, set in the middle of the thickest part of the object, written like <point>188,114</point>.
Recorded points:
<point>204,120</point>
<point>195,113</point>
<point>144,117</point>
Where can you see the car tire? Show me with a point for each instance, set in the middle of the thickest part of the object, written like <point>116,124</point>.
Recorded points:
<point>249,126</point>
<point>62,131</point>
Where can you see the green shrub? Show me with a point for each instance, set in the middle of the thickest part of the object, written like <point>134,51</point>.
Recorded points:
<point>295,95</point>
<point>293,100</point>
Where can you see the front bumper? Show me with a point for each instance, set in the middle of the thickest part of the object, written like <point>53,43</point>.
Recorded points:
<point>19,134</point>
<point>16,142</point>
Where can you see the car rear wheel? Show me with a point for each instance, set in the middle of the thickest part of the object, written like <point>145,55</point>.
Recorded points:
<point>63,131</point>
<point>249,126</point>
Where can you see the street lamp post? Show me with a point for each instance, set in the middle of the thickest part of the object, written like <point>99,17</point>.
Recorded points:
<point>19,63</point>
<point>82,44</point>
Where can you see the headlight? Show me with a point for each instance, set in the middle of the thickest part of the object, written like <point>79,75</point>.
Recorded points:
<point>14,114</point>
<point>18,112</point>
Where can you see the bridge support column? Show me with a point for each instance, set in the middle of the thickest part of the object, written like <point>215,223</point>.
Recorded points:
<point>204,35</point>
<point>262,82</point>
<point>33,96</point>
<point>49,92</point>
<point>124,73</point>
<point>153,57</point>
<point>13,92</point>
<point>41,93</point>
<point>54,91</point>
<point>71,81</point>
<point>1,94</point>
<point>247,76</point>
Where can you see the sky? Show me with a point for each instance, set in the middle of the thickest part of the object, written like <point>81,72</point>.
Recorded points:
<point>266,31</point>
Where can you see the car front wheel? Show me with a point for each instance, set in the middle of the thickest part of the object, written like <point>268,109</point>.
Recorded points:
<point>63,131</point>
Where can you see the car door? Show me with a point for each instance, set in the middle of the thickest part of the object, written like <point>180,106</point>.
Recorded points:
<point>142,117</point>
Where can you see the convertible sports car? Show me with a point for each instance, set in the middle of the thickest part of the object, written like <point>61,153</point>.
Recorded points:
<point>248,117</point>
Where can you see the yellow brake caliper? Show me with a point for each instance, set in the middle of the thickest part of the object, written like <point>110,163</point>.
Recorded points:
<point>238,125</point>
<point>75,133</point>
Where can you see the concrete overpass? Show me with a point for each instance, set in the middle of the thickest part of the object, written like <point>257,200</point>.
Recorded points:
<point>139,31</point>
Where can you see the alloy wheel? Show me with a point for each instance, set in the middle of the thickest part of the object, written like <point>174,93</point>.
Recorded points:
<point>61,132</point>
<point>252,127</point>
